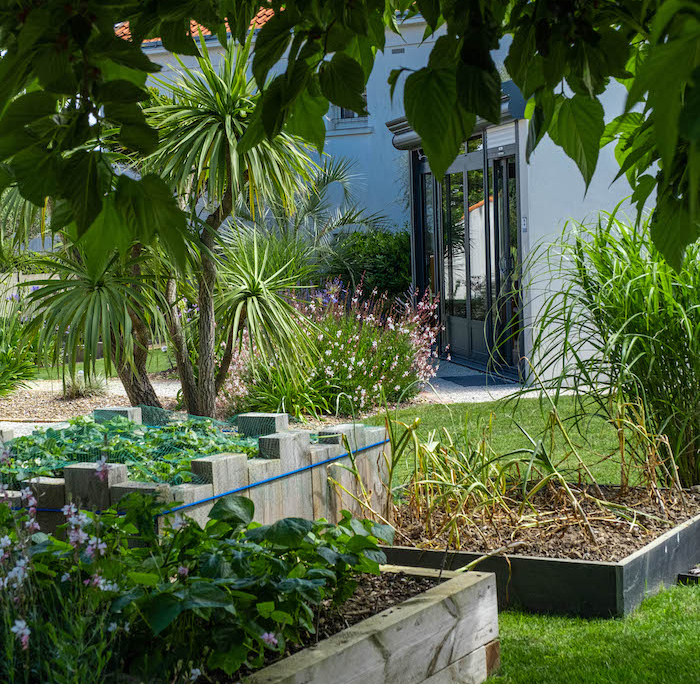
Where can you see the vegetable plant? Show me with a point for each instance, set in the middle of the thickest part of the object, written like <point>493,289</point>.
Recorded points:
<point>174,600</point>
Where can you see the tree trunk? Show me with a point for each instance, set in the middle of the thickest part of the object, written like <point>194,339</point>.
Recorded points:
<point>138,386</point>
<point>206,388</point>
<point>135,378</point>
<point>206,380</point>
<point>225,363</point>
<point>182,356</point>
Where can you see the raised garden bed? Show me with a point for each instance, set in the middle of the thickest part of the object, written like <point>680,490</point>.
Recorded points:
<point>589,588</point>
<point>448,633</point>
<point>287,476</point>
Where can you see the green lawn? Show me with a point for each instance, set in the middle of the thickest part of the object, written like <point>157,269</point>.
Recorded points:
<point>157,361</point>
<point>658,644</point>
<point>597,441</point>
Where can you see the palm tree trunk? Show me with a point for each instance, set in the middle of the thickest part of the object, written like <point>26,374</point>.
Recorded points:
<point>184,363</point>
<point>206,381</point>
<point>135,378</point>
<point>225,363</point>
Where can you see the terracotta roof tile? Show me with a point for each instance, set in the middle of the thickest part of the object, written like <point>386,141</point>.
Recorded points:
<point>259,20</point>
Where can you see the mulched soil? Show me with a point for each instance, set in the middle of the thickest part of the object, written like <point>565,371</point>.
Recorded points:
<point>555,532</point>
<point>373,595</point>
<point>41,406</point>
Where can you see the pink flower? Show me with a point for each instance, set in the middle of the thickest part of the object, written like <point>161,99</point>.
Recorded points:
<point>102,470</point>
<point>22,632</point>
<point>183,571</point>
<point>270,639</point>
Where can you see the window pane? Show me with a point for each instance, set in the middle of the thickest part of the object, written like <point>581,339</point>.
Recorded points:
<point>477,245</point>
<point>453,245</point>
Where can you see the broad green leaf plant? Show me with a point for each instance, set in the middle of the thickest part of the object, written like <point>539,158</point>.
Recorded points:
<point>67,69</point>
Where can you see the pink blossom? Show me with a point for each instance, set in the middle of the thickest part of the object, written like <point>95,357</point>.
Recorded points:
<point>183,571</point>
<point>22,632</point>
<point>102,469</point>
<point>270,639</point>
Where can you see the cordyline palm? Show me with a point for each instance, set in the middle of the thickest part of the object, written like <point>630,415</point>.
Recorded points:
<point>317,218</point>
<point>201,115</point>
<point>92,299</point>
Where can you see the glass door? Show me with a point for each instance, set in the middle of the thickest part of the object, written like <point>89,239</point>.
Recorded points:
<point>467,253</point>
<point>465,258</point>
<point>507,309</point>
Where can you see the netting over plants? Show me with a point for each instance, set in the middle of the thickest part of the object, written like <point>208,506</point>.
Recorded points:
<point>159,450</point>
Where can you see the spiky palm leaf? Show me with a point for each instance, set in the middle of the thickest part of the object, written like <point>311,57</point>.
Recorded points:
<point>255,297</point>
<point>200,120</point>
<point>88,301</point>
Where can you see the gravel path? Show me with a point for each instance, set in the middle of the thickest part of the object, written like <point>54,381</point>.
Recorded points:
<point>457,384</point>
<point>41,404</point>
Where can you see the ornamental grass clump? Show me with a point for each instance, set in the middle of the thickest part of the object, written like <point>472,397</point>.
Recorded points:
<point>622,330</point>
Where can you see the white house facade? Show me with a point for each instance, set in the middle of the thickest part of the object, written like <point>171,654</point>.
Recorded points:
<point>473,229</point>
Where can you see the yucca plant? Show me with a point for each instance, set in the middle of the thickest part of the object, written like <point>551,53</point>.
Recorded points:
<point>93,303</point>
<point>621,328</point>
<point>201,115</point>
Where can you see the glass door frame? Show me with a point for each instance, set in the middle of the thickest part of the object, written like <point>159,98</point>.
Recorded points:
<point>484,159</point>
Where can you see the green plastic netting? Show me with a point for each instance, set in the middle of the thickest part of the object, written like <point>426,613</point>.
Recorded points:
<point>160,450</point>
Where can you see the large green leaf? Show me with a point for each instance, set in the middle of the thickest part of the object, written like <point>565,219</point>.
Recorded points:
<point>162,610</point>
<point>176,37</point>
<point>479,90</point>
<point>229,661</point>
<point>27,109</point>
<point>343,83</point>
<point>306,119</point>
<point>578,127</point>
<point>121,90</point>
<point>672,228</point>
<point>37,174</point>
<point>430,101</point>
<point>289,532</point>
<point>232,509</point>
<point>80,185</point>
<point>270,44</point>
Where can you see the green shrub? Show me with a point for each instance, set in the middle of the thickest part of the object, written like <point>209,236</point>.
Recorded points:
<point>118,598</point>
<point>365,346</point>
<point>17,359</point>
<point>160,454</point>
<point>622,327</point>
<point>379,259</point>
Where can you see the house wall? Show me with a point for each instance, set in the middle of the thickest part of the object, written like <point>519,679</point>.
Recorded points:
<point>552,190</point>
<point>382,172</point>
<point>553,193</point>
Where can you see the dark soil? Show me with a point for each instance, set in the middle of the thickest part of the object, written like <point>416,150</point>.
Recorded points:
<point>373,595</point>
<point>555,531</point>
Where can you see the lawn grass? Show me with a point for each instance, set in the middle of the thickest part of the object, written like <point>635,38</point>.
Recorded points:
<point>157,361</point>
<point>595,441</point>
<point>658,644</point>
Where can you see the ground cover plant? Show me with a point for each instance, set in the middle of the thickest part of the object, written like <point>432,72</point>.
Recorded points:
<point>365,345</point>
<point>183,605</point>
<point>154,454</point>
<point>658,644</point>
